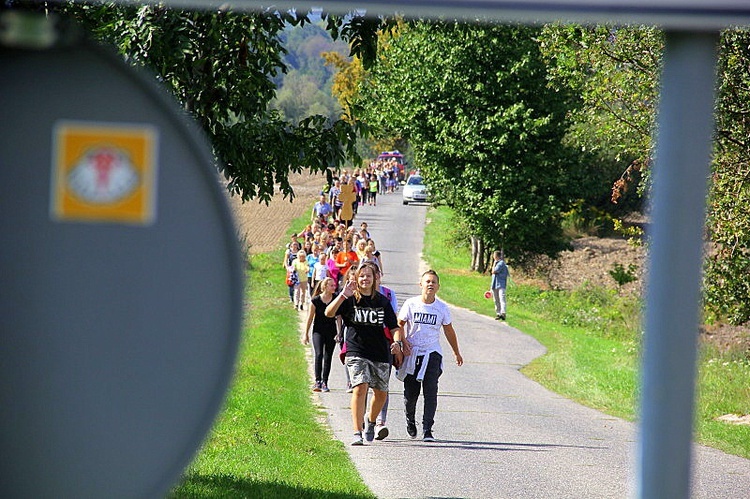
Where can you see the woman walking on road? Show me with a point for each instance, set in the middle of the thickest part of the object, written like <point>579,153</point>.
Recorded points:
<point>324,332</point>
<point>366,312</point>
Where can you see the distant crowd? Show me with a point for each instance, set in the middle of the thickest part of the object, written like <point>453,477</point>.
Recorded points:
<point>326,250</point>
<point>331,244</point>
<point>380,177</point>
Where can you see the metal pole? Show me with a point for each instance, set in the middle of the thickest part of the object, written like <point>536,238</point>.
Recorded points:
<point>685,125</point>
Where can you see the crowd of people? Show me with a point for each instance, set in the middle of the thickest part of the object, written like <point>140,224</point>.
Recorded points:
<point>380,177</point>
<point>335,270</point>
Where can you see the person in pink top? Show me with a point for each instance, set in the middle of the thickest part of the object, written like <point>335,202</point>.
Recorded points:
<point>333,270</point>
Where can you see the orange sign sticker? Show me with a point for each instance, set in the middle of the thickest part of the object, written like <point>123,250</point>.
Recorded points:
<point>104,173</point>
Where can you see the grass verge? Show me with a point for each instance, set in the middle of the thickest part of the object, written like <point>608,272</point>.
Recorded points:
<point>592,336</point>
<point>268,441</point>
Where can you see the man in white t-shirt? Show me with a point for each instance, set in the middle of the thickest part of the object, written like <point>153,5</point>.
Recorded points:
<point>424,316</point>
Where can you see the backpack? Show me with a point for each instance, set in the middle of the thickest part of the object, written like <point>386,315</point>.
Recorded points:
<point>292,279</point>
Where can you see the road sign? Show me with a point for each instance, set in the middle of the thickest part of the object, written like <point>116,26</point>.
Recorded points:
<point>121,296</point>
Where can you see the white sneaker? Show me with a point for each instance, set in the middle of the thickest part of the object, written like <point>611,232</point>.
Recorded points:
<point>357,439</point>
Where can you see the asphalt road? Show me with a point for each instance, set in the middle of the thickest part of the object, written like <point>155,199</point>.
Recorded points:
<point>498,434</point>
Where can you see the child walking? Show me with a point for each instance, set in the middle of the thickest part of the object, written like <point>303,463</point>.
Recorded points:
<point>324,332</point>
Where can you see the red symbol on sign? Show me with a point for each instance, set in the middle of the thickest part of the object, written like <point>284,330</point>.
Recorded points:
<point>104,175</point>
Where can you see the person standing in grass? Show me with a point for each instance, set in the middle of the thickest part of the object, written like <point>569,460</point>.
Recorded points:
<point>324,332</point>
<point>499,282</point>
<point>366,312</point>
<point>289,258</point>
<point>424,316</point>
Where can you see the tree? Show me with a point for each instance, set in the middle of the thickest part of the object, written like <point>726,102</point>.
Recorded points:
<point>220,65</point>
<point>301,96</point>
<point>485,129</point>
<point>726,282</point>
<point>616,70</point>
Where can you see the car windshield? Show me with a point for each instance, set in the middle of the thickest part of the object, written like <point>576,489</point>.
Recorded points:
<point>413,180</point>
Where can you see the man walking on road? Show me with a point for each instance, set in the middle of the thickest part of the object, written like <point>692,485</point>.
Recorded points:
<point>424,316</point>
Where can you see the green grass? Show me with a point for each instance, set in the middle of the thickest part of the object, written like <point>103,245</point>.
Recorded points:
<point>724,388</point>
<point>268,441</point>
<point>593,340</point>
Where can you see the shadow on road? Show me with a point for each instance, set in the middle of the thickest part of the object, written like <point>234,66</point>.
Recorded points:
<point>490,446</point>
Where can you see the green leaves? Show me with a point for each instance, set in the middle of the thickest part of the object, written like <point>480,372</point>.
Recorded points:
<point>616,72</point>
<point>220,66</point>
<point>483,125</point>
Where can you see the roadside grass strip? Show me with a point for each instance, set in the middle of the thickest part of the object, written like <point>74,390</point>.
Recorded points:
<point>268,441</point>
<point>593,340</point>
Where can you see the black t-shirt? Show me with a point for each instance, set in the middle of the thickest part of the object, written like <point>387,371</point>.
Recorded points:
<point>366,320</point>
<point>322,324</point>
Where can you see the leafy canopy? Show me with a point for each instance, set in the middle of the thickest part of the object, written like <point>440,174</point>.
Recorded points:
<point>221,66</point>
<point>485,129</point>
<point>616,71</point>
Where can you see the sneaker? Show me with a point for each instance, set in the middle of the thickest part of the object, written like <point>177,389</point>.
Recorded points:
<point>317,386</point>
<point>358,439</point>
<point>381,431</point>
<point>411,429</point>
<point>324,387</point>
<point>370,432</point>
<point>497,317</point>
<point>502,317</point>
<point>428,436</point>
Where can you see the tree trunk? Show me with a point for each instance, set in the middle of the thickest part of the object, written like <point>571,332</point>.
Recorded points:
<point>482,257</point>
<point>477,254</point>
<point>488,260</point>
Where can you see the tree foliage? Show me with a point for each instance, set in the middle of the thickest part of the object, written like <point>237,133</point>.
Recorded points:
<point>727,276</point>
<point>221,66</point>
<point>617,73</point>
<point>485,129</point>
<point>305,90</point>
<point>615,70</point>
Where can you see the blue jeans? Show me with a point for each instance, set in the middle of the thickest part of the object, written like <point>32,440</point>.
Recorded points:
<point>412,388</point>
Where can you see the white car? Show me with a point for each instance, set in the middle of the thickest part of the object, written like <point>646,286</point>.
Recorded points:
<point>414,189</point>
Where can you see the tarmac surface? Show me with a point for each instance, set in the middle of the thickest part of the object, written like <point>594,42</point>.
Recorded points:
<point>498,433</point>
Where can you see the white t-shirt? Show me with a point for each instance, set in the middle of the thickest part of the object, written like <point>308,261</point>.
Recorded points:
<point>321,271</point>
<point>425,323</point>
